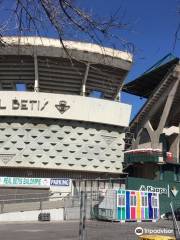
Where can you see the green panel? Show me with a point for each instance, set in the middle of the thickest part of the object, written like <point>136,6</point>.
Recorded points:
<point>123,213</point>
<point>120,191</point>
<point>168,174</point>
<point>132,158</point>
<point>146,213</point>
<point>135,183</point>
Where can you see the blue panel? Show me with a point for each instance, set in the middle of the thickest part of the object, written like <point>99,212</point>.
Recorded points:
<point>150,206</point>
<point>96,94</point>
<point>20,87</point>
<point>127,205</point>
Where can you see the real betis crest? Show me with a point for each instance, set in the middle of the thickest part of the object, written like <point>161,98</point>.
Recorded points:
<point>62,107</point>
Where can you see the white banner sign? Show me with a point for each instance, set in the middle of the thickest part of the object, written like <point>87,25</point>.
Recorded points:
<point>34,182</point>
<point>28,182</point>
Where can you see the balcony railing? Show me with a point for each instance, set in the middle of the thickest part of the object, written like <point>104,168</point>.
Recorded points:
<point>147,155</point>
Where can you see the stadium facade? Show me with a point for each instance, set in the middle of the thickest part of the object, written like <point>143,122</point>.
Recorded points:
<point>59,116</point>
<point>153,158</point>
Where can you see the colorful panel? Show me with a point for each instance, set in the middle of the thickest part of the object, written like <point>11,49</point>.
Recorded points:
<point>123,213</point>
<point>118,213</point>
<point>146,213</point>
<point>155,205</point>
<point>144,206</point>
<point>133,213</point>
<point>142,213</point>
<point>121,204</point>
<point>155,213</point>
<point>150,206</point>
<point>127,205</point>
<point>137,205</point>
<point>138,208</point>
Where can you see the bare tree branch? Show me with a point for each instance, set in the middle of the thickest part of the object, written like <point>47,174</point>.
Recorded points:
<point>67,19</point>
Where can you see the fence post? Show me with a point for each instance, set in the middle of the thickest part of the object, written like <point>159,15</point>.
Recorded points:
<point>40,204</point>
<point>84,216</point>
<point>82,225</point>
<point>81,216</point>
<point>2,206</point>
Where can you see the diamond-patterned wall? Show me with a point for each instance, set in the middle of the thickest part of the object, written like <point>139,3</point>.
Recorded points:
<point>60,144</point>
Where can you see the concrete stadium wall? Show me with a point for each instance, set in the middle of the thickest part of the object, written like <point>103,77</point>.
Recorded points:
<point>41,143</point>
<point>56,215</point>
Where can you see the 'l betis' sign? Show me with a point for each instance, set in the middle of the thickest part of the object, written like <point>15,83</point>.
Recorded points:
<point>33,105</point>
<point>153,189</point>
<point>63,106</point>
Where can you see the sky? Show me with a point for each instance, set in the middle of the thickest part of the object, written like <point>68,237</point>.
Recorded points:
<point>151,27</point>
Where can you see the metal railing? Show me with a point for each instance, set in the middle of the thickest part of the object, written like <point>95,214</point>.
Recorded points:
<point>30,201</point>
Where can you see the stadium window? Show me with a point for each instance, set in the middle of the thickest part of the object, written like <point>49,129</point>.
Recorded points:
<point>96,94</point>
<point>121,202</point>
<point>154,201</point>
<point>133,200</point>
<point>144,201</point>
<point>21,87</point>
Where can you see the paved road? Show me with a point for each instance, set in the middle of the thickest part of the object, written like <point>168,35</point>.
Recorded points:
<point>95,230</point>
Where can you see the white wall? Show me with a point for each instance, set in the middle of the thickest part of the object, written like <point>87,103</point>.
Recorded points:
<point>56,215</point>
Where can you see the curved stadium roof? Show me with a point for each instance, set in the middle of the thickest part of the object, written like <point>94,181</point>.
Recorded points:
<point>151,85</point>
<point>25,58</point>
<point>145,84</point>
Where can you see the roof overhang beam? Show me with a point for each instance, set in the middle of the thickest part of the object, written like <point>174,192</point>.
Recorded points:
<point>83,88</point>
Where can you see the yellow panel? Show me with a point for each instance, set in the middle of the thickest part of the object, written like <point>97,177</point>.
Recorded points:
<point>138,209</point>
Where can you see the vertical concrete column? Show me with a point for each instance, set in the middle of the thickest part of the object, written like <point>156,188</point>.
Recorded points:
<point>36,74</point>
<point>83,90</point>
<point>174,148</point>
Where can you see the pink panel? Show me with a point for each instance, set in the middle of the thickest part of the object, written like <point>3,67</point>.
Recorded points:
<point>133,213</point>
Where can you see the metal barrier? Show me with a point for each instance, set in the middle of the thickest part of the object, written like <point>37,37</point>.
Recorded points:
<point>27,202</point>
